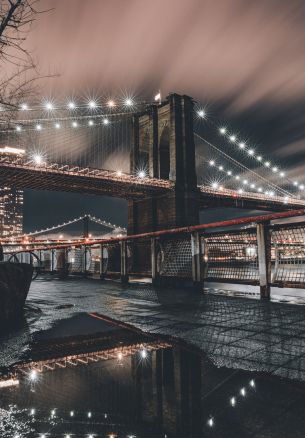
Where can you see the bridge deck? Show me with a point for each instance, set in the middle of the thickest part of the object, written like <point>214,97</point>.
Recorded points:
<point>55,177</point>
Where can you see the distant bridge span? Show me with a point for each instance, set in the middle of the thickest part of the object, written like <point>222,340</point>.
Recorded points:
<point>24,174</point>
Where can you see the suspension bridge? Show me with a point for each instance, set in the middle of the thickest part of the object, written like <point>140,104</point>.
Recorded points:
<point>161,159</point>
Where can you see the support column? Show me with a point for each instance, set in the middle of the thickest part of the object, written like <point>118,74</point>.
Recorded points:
<point>196,260</point>
<point>264,259</point>
<point>124,269</point>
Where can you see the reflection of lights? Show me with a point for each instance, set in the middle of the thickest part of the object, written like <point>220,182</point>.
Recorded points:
<point>233,401</point>
<point>42,435</point>
<point>222,131</point>
<point>252,383</point>
<point>33,375</point>
<point>9,382</point>
<point>18,128</point>
<point>89,415</point>
<point>120,356</point>
<point>243,392</point>
<point>143,354</point>
<point>74,124</point>
<point>57,125</point>
<point>67,435</point>
<point>211,422</point>
<point>72,414</point>
<point>53,412</point>
<point>32,411</point>
<point>251,251</point>
<point>119,173</point>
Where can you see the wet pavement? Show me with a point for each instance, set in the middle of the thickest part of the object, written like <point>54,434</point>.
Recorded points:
<point>233,332</point>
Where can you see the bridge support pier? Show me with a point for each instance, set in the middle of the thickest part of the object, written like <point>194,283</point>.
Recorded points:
<point>264,259</point>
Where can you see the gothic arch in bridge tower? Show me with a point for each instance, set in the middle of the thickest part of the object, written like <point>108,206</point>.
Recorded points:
<point>164,152</point>
<point>163,134</point>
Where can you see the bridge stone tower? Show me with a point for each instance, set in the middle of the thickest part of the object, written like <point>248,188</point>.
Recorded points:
<point>163,146</point>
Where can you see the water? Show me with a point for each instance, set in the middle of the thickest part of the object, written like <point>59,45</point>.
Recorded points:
<point>147,388</point>
<point>195,377</point>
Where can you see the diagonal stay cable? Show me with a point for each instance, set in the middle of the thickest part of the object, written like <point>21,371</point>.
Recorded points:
<point>242,166</point>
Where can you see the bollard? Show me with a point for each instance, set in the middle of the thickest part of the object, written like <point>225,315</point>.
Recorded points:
<point>102,275</point>
<point>264,259</point>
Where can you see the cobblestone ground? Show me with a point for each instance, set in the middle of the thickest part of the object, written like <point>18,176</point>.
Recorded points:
<point>233,331</point>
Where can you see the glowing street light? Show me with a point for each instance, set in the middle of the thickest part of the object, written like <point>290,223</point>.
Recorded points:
<point>18,128</point>
<point>252,383</point>
<point>24,107</point>
<point>74,124</point>
<point>105,121</point>
<point>38,127</point>
<point>201,113</point>
<point>49,106</point>
<point>241,145</point>
<point>91,123</point>
<point>57,125</point>
<point>222,131</point>
<point>243,392</point>
<point>92,104</point>
<point>141,174</point>
<point>211,162</point>
<point>233,401</point>
<point>71,105</point>
<point>110,103</point>
<point>128,102</point>
<point>119,173</point>
<point>38,159</point>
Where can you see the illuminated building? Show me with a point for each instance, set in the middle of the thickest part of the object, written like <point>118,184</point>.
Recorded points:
<point>11,200</point>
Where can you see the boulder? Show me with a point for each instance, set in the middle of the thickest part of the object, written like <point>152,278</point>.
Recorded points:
<point>15,281</point>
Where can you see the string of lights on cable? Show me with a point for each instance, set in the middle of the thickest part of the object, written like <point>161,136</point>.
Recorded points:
<point>250,152</point>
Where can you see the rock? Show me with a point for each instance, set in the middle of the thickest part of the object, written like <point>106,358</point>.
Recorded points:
<point>15,281</point>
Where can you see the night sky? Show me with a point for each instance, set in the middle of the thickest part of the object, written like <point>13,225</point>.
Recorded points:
<point>244,60</point>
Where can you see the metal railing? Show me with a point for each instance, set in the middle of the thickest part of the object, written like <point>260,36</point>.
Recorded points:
<point>264,254</point>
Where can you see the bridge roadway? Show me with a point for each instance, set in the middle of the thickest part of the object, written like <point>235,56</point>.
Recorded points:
<point>66,178</point>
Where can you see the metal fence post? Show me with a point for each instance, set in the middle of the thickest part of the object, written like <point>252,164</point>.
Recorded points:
<point>102,276</point>
<point>154,270</point>
<point>52,260</point>
<point>196,259</point>
<point>84,261</point>
<point>264,259</point>
<point>124,270</point>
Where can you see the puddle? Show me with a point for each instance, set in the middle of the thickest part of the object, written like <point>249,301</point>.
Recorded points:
<point>107,380</point>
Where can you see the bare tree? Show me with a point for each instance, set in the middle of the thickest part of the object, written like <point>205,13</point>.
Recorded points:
<point>18,71</point>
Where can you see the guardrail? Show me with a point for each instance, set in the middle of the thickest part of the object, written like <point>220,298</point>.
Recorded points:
<point>264,254</point>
